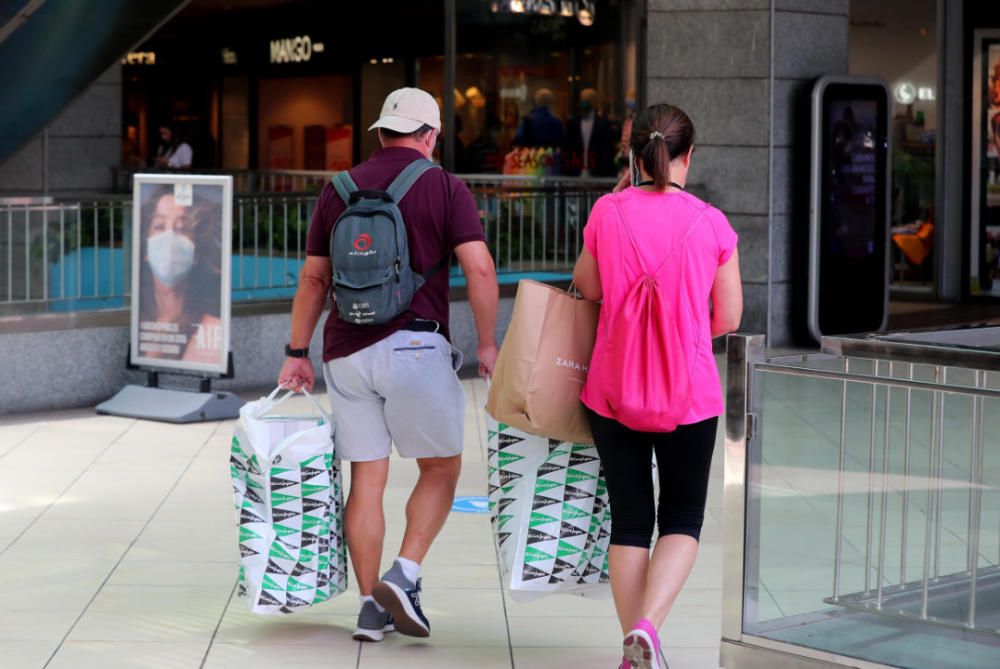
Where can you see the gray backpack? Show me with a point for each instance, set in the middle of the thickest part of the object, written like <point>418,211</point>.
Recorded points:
<point>373,281</point>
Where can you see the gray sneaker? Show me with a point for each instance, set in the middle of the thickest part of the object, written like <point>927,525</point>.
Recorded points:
<point>372,623</point>
<point>401,598</point>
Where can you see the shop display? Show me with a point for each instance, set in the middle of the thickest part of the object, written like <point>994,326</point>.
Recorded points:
<point>985,258</point>
<point>533,162</point>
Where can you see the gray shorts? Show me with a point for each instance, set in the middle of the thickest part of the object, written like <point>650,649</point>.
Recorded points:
<point>403,390</point>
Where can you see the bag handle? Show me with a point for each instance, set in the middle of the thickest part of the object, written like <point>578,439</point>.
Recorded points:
<point>275,403</point>
<point>635,246</point>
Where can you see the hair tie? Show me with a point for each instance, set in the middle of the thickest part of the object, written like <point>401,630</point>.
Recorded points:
<point>656,134</point>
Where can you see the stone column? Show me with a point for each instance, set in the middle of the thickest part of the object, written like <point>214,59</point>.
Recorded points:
<point>737,67</point>
<point>77,150</point>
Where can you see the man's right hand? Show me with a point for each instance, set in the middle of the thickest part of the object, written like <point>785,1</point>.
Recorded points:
<point>296,374</point>
<point>623,183</point>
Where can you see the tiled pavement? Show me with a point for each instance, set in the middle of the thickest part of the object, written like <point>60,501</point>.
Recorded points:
<point>118,550</point>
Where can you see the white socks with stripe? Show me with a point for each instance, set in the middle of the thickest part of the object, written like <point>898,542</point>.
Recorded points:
<point>368,598</point>
<point>411,570</point>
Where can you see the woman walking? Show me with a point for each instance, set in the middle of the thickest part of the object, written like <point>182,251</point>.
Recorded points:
<point>665,266</point>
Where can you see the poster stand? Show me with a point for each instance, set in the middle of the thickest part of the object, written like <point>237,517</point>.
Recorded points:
<point>173,405</point>
<point>181,298</point>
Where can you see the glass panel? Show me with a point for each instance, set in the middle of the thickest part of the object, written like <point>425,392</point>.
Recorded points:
<point>844,533</point>
<point>897,41</point>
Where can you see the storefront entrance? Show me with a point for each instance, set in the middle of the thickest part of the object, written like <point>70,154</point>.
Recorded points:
<point>293,86</point>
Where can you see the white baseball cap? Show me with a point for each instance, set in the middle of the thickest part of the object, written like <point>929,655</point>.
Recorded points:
<point>407,110</point>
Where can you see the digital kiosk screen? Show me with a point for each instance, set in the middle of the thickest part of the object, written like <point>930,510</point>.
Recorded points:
<point>852,227</point>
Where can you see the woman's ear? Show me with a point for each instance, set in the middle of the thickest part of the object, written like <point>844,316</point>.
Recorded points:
<point>687,156</point>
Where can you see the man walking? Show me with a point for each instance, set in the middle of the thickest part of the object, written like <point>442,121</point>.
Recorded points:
<point>394,382</point>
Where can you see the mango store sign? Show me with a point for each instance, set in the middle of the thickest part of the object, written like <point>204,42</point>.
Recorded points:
<point>299,49</point>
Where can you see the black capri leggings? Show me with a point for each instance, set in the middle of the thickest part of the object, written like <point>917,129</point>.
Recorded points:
<point>683,461</point>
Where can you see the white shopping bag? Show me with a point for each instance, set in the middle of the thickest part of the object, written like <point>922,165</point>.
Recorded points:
<point>289,506</point>
<point>550,514</point>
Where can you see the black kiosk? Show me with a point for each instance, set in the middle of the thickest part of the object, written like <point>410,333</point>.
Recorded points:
<point>849,207</point>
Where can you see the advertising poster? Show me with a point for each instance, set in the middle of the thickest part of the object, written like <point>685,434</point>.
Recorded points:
<point>181,254</point>
<point>985,251</point>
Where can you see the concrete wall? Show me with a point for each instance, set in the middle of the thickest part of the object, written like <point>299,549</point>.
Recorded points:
<point>84,366</point>
<point>76,152</point>
<point>736,67</point>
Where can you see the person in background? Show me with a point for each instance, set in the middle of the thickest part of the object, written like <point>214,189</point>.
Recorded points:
<point>590,141</point>
<point>173,152</point>
<point>540,128</point>
<point>656,224</point>
<point>483,155</point>
<point>621,157</point>
<point>510,121</point>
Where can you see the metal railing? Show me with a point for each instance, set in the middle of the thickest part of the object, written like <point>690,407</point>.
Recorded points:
<point>52,255</point>
<point>75,256</point>
<point>886,444</point>
<point>244,181</point>
<point>896,430</point>
<point>313,181</point>
<point>534,227</point>
<point>889,587</point>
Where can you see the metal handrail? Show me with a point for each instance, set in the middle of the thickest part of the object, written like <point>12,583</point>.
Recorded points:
<point>908,384</point>
<point>935,588</point>
<point>74,255</point>
<point>253,181</point>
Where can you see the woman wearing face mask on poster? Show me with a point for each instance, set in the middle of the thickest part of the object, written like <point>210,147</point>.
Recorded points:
<point>179,301</point>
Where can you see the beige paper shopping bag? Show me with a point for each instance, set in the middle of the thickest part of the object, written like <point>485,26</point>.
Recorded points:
<point>543,364</point>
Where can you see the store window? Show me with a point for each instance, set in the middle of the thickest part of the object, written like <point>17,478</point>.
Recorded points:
<point>897,41</point>
<point>304,123</point>
<point>537,92</point>
<point>235,122</point>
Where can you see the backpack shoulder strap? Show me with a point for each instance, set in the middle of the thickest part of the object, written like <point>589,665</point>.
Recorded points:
<point>635,246</point>
<point>344,185</point>
<point>680,244</point>
<point>441,264</point>
<point>628,233</point>
<point>401,185</point>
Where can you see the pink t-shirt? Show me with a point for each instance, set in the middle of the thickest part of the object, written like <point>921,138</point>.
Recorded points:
<point>659,222</point>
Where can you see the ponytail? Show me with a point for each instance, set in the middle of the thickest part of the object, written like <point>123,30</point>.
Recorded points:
<point>659,134</point>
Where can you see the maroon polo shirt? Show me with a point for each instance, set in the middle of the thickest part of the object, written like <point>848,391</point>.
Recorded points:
<point>440,213</point>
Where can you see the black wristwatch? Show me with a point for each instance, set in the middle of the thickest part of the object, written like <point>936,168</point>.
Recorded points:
<point>296,352</point>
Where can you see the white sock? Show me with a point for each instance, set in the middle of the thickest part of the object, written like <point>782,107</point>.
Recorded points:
<point>411,570</point>
<point>368,598</point>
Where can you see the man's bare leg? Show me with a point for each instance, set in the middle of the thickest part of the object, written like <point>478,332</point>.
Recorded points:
<point>364,521</point>
<point>429,505</point>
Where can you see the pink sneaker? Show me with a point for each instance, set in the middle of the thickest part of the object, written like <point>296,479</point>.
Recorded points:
<point>642,647</point>
<point>625,664</point>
